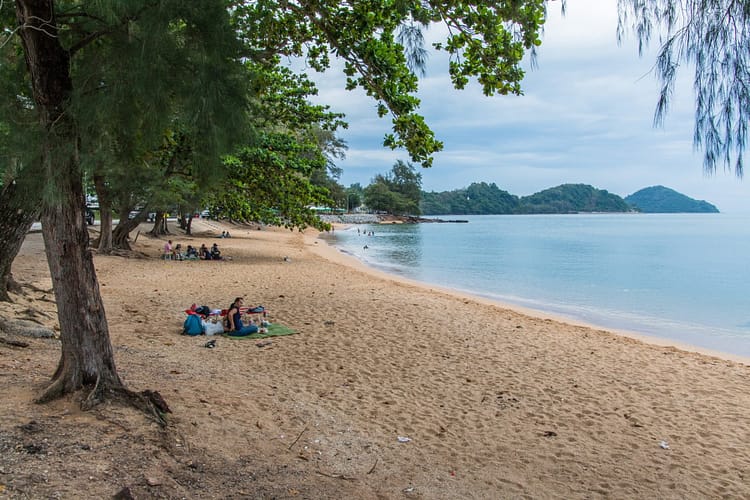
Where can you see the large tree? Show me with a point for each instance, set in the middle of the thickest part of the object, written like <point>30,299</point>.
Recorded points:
<point>128,30</point>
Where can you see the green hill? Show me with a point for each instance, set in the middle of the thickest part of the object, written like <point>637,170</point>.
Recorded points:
<point>660,199</point>
<point>488,199</point>
<point>478,199</point>
<point>572,198</point>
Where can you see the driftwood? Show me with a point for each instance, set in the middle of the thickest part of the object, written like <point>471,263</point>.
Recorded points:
<point>298,436</point>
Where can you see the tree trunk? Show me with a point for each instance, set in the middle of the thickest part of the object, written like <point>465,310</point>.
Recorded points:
<point>185,223</point>
<point>121,232</point>
<point>19,208</point>
<point>160,225</point>
<point>87,359</point>
<point>104,244</point>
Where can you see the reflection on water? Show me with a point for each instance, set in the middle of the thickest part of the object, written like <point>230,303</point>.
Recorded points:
<point>405,244</point>
<point>396,248</point>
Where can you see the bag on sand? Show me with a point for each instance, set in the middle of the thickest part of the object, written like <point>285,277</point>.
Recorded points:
<point>211,328</point>
<point>203,310</point>
<point>192,325</point>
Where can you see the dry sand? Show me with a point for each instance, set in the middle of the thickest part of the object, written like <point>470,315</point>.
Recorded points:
<point>495,403</point>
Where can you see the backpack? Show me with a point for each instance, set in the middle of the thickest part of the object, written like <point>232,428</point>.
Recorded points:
<point>192,325</point>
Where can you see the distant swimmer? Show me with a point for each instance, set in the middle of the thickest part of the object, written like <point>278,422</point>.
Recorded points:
<point>365,247</point>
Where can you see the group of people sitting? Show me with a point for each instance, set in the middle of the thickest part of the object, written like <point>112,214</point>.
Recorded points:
<point>191,253</point>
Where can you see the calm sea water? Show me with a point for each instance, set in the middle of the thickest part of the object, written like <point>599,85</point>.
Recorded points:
<point>683,277</point>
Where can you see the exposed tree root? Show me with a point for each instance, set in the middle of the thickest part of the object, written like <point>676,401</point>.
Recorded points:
<point>151,403</point>
<point>37,289</point>
<point>14,286</point>
<point>54,391</point>
<point>13,343</point>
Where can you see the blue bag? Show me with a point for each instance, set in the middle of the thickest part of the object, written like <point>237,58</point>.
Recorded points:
<point>192,325</point>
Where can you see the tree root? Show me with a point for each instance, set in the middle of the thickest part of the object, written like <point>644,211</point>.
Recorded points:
<point>36,288</point>
<point>151,403</point>
<point>13,343</point>
<point>14,286</point>
<point>52,392</point>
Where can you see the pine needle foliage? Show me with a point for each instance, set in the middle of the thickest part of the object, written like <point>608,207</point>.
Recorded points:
<point>713,37</point>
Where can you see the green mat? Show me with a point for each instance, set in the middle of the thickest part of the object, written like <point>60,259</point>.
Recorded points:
<point>274,330</point>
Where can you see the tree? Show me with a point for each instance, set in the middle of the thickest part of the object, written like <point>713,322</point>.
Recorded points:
<point>486,41</point>
<point>19,208</point>
<point>270,183</point>
<point>354,196</point>
<point>20,195</point>
<point>714,37</point>
<point>288,166</point>
<point>397,192</point>
<point>51,58</point>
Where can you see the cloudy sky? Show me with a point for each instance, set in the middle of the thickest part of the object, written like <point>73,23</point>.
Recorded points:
<point>586,116</point>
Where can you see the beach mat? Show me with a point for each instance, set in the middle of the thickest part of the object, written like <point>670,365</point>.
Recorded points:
<point>274,330</point>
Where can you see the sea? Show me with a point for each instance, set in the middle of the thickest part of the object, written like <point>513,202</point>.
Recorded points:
<point>682,278</point>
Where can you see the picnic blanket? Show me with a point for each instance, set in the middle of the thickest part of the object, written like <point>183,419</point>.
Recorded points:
<point>274,330</point>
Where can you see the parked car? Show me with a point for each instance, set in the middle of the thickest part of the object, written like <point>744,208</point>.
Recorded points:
<point>88,216</point>
<point>150,216</point>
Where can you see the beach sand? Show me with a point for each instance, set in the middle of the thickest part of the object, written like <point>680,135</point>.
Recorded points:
<point>388,390</point>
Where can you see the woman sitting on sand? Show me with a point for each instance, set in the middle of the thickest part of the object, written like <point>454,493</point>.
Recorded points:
<point>204,253</point>
<point>234,321</point>
<point>191,252</point>
<point>215,252</point>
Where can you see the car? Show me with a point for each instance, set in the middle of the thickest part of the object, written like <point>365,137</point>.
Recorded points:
<point>150,216</point>
<point>89,217</point>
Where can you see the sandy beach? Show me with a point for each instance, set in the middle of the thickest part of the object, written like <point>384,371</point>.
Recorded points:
<point>387,390</point>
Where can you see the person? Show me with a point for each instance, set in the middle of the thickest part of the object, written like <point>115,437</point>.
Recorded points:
<point>234,321</point>
<point>223,234</point>
<point>177,254</point>
<point>168,250</point>
<point>204,253</point>
<point>191,253</point>
<point>215,252</point>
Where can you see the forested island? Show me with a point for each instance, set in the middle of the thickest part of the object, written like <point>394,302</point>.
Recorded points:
<point>487,199</point>
<point>660,199</point>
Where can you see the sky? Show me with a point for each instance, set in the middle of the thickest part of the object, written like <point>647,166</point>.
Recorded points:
<point>586,116</point>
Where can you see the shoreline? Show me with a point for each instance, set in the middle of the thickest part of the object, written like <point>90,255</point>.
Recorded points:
<point>341,257</point>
